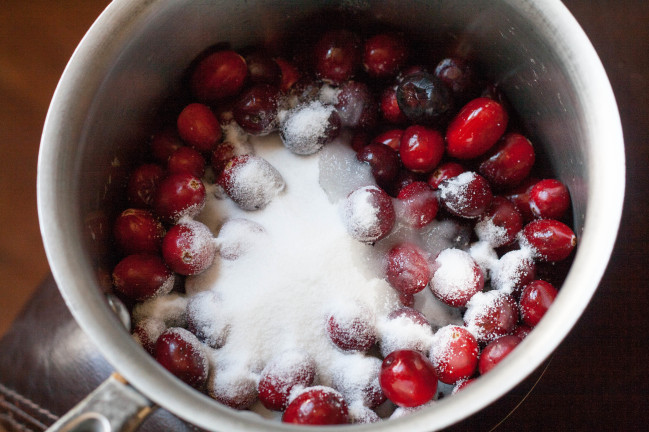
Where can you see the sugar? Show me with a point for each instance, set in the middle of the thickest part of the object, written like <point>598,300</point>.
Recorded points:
<point>254,183</point>
<point>454,274</point>
<point>508,272</point>
<point>340,172</point>
<point>305,128</point>
<point>169,308</point>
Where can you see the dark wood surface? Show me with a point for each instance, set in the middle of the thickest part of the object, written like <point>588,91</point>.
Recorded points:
<point>597,378</point>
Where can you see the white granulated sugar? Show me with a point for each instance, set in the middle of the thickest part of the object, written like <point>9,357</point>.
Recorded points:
<point>354,374</point>
<point>359,413</point>
<point>405,411</point>
<point>403,333</point>
<point>488,231</point>
<point>168,308</point>
<point>508,272</point>
<point>329,94</point>
<point>152,328</point>
<point>454,275</point>
<point>485,256</point>
<point>238,236</point>
<point>454,191</point>
<point>436,312</point>
<point>204,311</point>
<point>238,138</point>
<point>255,183</point>
<point>361,214</point>
<point>304,131</point>
<point>340,172</point>
<point>443,234</point>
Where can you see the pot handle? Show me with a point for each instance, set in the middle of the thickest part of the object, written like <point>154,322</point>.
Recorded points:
<point>114,406</point>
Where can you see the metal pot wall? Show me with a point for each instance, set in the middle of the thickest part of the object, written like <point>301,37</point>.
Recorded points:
<point>133,57</point>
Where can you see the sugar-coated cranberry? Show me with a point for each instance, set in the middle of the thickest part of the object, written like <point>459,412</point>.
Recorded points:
<point>220,157</point>
<point>351,330</point>
<point>146,333</point>
<point>143,184</point>
<point>390,138</point>
<point>467,195</point>
<point>181,353</point>
<point>164,143</point>
<point>549,199</point>
<point>508,162</point>
<point>233,387</point>
<point>356,106</point>
<point>421,148</point>
<point>520,196</point>
<point>251,182</point>
<point>476,128</point>
<point>458,74</point>
<point>186,160</point>
<point>179,195</point>
<point>490,315</point>
<point>408,378</point>
<point>454,354</point>
<point>368,214</point>
<point>256,109</point>
<point>500,223</point>
<point>138,231</point>
<point>200,315</point>
<point>337,56</point>
<point>443,172</point>
<point>383,161</point>
<point>408,269</point>
<point>199,127</point>
<point>218,76</point>
<point>461,384</point>
<point>535,300</point>
<point>289,74</point>
<point>384,54</point>
<point>456,277</point>
<point>423,98</point>
<point>142,276</point>
<point>262,69</point>
<point>188,248</point>
<point>513,271</point>
<point>281,375</point>
<point>389,106</point>
<point>552,240</point>
<point>418,204</point>
<point>309,127</point>
<point>317,406</point>
<point>411,314</point>
<point>496,351</point>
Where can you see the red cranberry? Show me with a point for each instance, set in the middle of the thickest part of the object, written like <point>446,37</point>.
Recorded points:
<point>549,199</point>
<point>418,203</point>
<point>404,178</point>
<point>142,276</point>
<point>351,330</point>
<point>337,56</point>
<point>143,184</point>
<point>551,239</point>
<point>359,140</point>
<point>423,98</point>
<point>221,156</point>
<point>535,300</point>
<point>309,127</point>
<point>251,182</point>
<point>456,277</point>
<point>458,75</point>
<point>281,375</point>
<point>262,69</point>
<point>500,224</point>
<point>179,195</point>
<point>509,162</point>
<point>188,248</point>
<point>443,172</point>
<point>421,148</point>
<point>390,138</point>
<point>138,231</point>
<point>467,195</point>
<point>496,351</point>
<point>180,352</point>
<point>218,76</point>
<point>408,378</point>
<point>147,331</point>
<point>356,106</point>
<point>164,143</point>
<point>514,270</point>
<point>454,354</point>
<point>407,269</point>
<point>256,109</point>
<point>384,163</point>
<point>461,384</point>
<point>317,406</point>
<point>405,328</point>
<point>186,160</point>
<point>476,128</point>
<point>410,314</point>
<point>389,106</point>
<point>522,331</point>
<point>289,74</point>
<point>369,214</point>
<point>520,196</point>
<point>199,127</point>
<point>490,315</point>
<point>384,54</point>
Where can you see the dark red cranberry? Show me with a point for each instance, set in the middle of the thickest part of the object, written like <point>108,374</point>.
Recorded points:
<point>138,231</point>
<point>142,276</point>
<point>390,138</point>
<point>186,160</point>
<point>145,336</point>
<point>421,148</point>
<point>408,378</point>
<point>143,184</point>
<point>443,172</point>
<point>356,106</point>
<point>289,74</point>
<point>467,195</point>
<point>457,74</point>
<point>199,127</point>
<point>476,128</point>
<point>408,269</point>
<point>496,351</point>
<point>256,109</point>
<point>337,56</point>
<point>535,300</point>
<point>262,69</point>
<point>221,156</point>
<point>384,54</point>
<point>179,195</point>
<point>218,76</point>
<point>384,163</point>
<point>389,106</point>
<point>281,375</point>
<point>455,277</point>
<point>359,139</point>
<point>317,406</point>
<point>454,354</point>
<point>351,331</point>
<point>509,162</point>
<point>549,199</point>
<point>500,224</point>
<point>423,98</point>
<point>520,196</point>
<point>250,181</point>
<point>418,204</point>
<point>188,248</point>
<point>522,331</point>
<point>369,214</point>
<point>164,143</point>
<point>490,315</point>
<point>180,352</point>
<point>551,239</point>
<point>404,178</point>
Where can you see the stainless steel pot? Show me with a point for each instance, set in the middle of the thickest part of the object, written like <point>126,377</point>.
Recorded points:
<point>133,57</point>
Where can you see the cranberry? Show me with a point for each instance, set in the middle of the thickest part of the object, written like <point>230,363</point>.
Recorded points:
<point>234,388</point>
<point>461,384</point>
<point>467,195</point>
<point>405,328</point>
<point>351,330</point>
<point>551,239</point>
<point>250,181</point>
<point>200,314</point>
<point>423,98</point>
<point>147,331</point>
<point>513,271</point>
<point>199,127</point>
<point>143,184</point>
<point>520,196</point>
<point>407,269</point>
<point>476,128</point>
<point>500,224</point>
<point>164,143</point>
<point>408,378</point>
<point>411,314</point>
<point>418,203</point>
<point>142,276</point>
<point>522,331</point>
<point>404,178</point>
<point>221,156</point>
<point>384,54</point>
<point>458,75</point>
<point>317,406</point>
<point>389,106</point>
<point>179,195</point>
<point>218,76</point>
<point>262,69</point>
<point>496,351</point>
<point>256,109</point>
<point>490,315</point>
<point>384,163</point>
<point>281,375</point>
<point>289,74</point>
<point>138,231</point>
<point>309,127</point>
<point>390,138</point>
<point>456,277</point>
<point>337,56</point>
<point>186,160</point>
<point>359,140</point>
<point>421,148</point>
<point>188,248</point>
<point>535,300</point>
<point>369,214</point>
<point>454,354</point>
<point>180,352</point>
<point>356,106</point>
<point>549,199</point>
<point>443,172</point>
<point>509,162</point>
